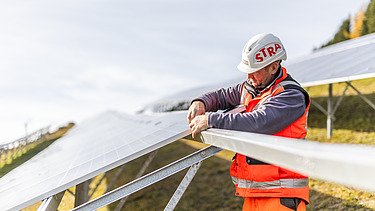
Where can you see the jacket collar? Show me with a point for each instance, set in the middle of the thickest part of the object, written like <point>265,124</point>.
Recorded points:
<point>279,75</point>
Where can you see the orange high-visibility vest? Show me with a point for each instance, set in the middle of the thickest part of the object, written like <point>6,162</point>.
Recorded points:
<point>254,178</point>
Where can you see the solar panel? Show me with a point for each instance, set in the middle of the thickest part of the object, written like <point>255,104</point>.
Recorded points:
<point>97,145</point>
<point>350,60</point>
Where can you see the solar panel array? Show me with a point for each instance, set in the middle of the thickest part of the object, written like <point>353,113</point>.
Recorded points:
<point>97,145</point>
<point>350,60</point>
<point>345,61</point>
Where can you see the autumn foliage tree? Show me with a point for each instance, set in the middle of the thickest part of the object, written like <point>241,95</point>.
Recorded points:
<point>357,26</point>
<point>362,24</point>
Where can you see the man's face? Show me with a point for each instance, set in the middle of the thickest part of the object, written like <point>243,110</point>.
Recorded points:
<point>262,77</point>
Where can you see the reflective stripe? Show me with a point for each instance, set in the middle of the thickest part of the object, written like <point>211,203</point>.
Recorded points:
<point>234,180</point>
<point>284,83</point>
<point>282,183</point>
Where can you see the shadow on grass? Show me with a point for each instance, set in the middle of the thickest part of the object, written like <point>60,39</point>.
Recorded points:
<point>352,114</point>
<point>211,189</point>
<point>23,158</point>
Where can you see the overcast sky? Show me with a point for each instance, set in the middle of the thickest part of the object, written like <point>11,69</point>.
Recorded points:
<point>67,60</point>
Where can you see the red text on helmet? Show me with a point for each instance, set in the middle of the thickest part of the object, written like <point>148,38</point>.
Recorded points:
<point>267,51</point>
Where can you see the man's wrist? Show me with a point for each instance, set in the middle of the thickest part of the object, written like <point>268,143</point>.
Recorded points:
<point>198,100</point>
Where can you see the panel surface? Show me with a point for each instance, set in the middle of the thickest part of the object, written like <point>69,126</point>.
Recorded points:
<point>345,61</point>
<point>97,145</point>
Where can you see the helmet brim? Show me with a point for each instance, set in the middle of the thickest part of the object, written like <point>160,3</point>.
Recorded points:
<point>245,68</point>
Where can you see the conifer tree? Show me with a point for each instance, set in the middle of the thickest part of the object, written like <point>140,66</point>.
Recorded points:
<point>369,21</point>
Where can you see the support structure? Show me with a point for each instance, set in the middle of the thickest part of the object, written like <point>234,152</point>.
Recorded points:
<point>150,178</point>
<point>331,108</point>
<point>82,193</point>
<point>182,187</point>
<point>148,161</point>
<point>329,112</point>
<point>364,98</point>
<point>51,203</point>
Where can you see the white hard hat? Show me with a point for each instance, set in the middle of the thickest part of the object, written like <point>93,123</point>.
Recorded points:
<point>260,51</point>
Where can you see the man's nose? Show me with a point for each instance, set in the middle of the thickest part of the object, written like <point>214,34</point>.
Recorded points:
<point>249,76</point>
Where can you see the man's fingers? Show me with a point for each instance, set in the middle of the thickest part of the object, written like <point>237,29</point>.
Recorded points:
<point>191,115</point>
<point>193,128</point>
<point>194,131</point>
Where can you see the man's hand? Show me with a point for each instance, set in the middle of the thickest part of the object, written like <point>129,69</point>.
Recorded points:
<point>198,124</point>
<point>195,109</point>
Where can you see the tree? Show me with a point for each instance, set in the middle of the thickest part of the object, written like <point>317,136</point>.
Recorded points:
<point>369,21</point>
<point>358,24</point>
<point>342,34</point>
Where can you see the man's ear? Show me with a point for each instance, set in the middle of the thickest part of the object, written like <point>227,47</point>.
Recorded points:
<point>274,67</point>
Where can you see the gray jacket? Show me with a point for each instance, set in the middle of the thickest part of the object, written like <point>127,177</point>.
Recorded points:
<point>273,115</point>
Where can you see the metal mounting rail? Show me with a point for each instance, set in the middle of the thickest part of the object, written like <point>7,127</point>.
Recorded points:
<point>347,164</point>
<point>150,178</point>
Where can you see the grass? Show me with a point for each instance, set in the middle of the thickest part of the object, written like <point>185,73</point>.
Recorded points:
<point>13,158</point>
<point>352,114</point>
<point>13,163</point>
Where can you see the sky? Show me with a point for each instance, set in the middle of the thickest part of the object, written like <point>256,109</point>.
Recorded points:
<point>64,61</point>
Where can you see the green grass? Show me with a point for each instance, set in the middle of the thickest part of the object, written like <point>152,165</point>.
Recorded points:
<point>352,114</point>
<point>14,163</point>
<point>12,159</point>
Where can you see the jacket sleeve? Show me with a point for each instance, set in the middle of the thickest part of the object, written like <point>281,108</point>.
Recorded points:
<point>272,116</point>
<point>221,99</point>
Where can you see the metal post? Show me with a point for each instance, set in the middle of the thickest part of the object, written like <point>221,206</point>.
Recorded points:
<point>182,187</point>
<point>340,100</point>
<point>139,174</point>
<point>51,203</point>
<point>150,178</point>
<point>329,111</point>
<point>82,193</point>
<point>114,179</point>
<point>364,98</point>
<point>318,106</point>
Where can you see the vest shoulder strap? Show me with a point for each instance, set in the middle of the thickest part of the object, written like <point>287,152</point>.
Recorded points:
<point>290,83</point>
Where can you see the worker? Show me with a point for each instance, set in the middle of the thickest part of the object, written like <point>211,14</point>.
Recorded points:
<point>276,105</point>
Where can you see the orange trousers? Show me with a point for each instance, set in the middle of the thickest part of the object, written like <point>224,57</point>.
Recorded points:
<point>273,204</point>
